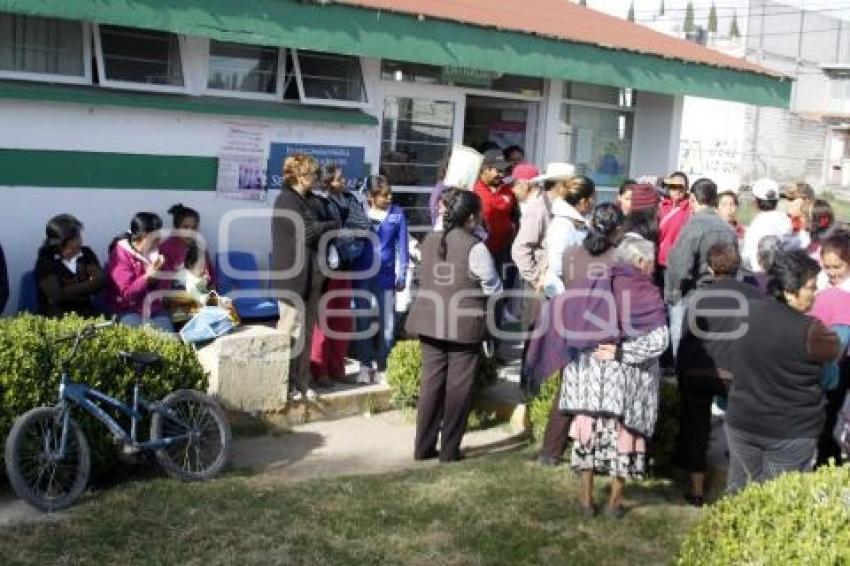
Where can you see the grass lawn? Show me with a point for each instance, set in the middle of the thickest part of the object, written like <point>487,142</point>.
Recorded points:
<point>499,509</point>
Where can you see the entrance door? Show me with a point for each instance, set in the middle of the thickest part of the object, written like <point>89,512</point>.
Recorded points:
<point>499,121</point>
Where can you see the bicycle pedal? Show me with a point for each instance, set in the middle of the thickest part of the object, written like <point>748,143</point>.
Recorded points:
<point>129,449</point>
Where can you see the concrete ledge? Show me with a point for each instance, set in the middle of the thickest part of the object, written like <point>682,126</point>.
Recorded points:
<point>248,368</point>
<point>346,401</point>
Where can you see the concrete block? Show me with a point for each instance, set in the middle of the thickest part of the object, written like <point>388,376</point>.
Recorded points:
<point>248,369</point>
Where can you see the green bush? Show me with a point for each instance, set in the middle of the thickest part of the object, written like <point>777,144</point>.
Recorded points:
<point>794,519</point>
<point>404,373</point>
<point>662,446</point>
<point>29,370</point>
<point>541,406</point>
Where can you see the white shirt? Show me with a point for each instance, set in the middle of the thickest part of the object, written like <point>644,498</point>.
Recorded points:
<point>481,266</point>
<point>771,223</point>
<point>561,235</point>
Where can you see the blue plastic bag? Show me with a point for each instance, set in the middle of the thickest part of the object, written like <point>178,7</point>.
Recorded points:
<point>208,324</point>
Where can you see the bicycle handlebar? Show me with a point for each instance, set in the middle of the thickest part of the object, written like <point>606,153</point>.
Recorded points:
<point>85,332</point>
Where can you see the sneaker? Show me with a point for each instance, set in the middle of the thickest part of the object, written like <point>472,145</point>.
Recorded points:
<point>379,377</point>
<point>311,394</point>
<point>296,396</point>
<point>365,376</point>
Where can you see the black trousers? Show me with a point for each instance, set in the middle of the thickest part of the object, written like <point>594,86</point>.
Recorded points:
<point>696,393</point>
<point>445,396</point>
<point>827,447</point>
<point>557,433</point>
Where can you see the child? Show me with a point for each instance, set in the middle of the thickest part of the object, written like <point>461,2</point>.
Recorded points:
<point>390,226</point>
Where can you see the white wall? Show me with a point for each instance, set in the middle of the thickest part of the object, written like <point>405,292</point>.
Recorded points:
<point>658,122</point>
<point>106,212</point>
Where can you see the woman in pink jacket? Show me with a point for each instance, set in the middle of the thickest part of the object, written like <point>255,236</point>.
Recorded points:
<point>674,213</point>
<point>132,275</point>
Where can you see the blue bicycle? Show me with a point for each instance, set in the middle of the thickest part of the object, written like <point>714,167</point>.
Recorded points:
<point>47,455</point>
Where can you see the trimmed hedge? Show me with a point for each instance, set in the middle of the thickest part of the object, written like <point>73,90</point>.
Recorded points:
<point>29,371</point>
<point>404,373</point>
<point>662,446</point>
<point>794,519</point>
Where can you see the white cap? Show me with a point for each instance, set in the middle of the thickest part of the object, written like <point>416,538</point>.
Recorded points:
<point>556,171</point>
<point>766,189</point>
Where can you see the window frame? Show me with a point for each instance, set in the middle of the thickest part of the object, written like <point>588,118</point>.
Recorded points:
<point>281,72</point>
<point>85,79</point>
<point>299,80</point>
<point>139,86</point>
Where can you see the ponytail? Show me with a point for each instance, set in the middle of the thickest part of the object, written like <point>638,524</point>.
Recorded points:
<point>460,205</point>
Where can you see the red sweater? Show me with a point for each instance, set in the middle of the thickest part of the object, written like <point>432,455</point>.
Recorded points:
<point>671,219</point>
<point>497,209</point>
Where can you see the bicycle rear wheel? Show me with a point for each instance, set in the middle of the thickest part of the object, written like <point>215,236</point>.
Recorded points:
<point>201,432</point>
<point>36,472</point>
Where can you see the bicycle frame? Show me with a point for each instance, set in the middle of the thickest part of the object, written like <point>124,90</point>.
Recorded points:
<point>83,396</point>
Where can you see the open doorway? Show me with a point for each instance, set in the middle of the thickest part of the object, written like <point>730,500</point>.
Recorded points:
<point>499,121</point>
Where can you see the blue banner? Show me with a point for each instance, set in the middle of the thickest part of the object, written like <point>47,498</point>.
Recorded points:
<point>349,158</point>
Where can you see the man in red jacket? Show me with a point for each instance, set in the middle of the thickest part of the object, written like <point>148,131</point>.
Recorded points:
<point>501,217</point>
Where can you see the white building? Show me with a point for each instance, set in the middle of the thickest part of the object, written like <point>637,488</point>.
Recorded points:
<point>109,107</point>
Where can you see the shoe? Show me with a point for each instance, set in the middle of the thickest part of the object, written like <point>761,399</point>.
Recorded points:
<point>695,500</point>
<point>616,512</point>
<point>548,461</point>
<point>311,394</point>
<point>365,376</point>
<point>428,455</point>
<point>296,396</point>
<point>588,511</point>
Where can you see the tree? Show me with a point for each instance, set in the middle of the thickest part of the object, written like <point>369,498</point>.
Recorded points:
<point>689,17</point>
<point>631,16</point>
<point>712,19</point>
<point>582,3</point>
<point>734,32</point>
<point>661,9</point>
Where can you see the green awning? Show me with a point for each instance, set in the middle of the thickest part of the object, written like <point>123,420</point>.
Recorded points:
<point>94,96</point>
<point>356,31</point>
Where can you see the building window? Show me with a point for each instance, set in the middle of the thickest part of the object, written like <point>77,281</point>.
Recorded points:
<point>416,139</point>
<point>42,48</point>
<point>240,69</point>
<point>400,71</point>
<point>597,124</point>
<point>139,59</point>
<point>329,79</point>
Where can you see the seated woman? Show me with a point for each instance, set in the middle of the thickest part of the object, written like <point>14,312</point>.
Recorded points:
<point>174,248</point>
<point>610,387</point>
<point>67,274</point>
<point>132,275</point>
<point>776,402</point>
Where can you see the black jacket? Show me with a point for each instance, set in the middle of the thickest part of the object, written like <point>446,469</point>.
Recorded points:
<point>777,364</point>
<point>61,290</point>
<point>296,239</point>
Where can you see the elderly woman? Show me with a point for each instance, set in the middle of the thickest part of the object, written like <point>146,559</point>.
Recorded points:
<point>67,273</point>
<point>776,403</point>
<point>610,387</point>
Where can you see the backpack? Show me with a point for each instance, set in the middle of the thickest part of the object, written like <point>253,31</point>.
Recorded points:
<point>350,248</point>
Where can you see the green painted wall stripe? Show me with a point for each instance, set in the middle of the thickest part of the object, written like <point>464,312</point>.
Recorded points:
<point>182,103</point>
<point>364,32</point>
<point>36,168</point>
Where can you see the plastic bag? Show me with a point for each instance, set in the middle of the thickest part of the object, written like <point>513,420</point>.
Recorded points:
<point>208,324</point>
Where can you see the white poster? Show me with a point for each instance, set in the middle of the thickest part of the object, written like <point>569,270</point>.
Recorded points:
<point>242,161</point>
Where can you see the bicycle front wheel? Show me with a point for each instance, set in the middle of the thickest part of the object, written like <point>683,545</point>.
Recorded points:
<point>39,471</point>
<point>199,433</point>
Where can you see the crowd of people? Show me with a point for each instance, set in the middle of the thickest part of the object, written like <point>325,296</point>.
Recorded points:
<point>753,321</point>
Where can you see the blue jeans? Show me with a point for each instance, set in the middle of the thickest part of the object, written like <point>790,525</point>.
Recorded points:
<point>374,348</point>
<point>160,321</point>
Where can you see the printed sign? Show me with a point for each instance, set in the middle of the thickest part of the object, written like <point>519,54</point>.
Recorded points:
<point>241,161</point>
<point>349,158</point>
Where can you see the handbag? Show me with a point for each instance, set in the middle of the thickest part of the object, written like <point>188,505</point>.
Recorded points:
<point>208,324</point>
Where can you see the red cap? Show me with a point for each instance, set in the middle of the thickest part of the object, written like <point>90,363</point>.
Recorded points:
<point>644,196</point>
<point>524,172</point>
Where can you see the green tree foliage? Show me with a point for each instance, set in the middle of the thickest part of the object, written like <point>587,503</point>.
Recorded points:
<point>712,19</point>
<point>631,16</point>
<point>661,9</point>
<point>689,18</point>
<point>734,32</point>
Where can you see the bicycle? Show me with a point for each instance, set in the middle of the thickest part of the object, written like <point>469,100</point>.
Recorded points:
<point>48,461</point>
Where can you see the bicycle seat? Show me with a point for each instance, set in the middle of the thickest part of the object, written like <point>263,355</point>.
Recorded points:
<point>141,359</point>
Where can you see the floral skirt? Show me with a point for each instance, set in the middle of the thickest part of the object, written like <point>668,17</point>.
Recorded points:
<point>603,445</point>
